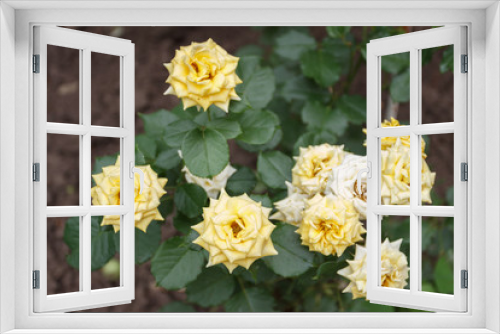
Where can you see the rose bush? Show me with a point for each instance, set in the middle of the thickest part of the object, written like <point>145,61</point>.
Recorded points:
<point>286,234</point>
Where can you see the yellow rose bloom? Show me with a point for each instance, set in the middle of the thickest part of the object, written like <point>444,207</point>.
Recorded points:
<point>235,231</point>
<point>387,142</point>
<point>330,225</point>
<point>107,192</point>
<point>203,74</point>
<point>314,165</point>
<point>395,180</point>
<point>394,269</point>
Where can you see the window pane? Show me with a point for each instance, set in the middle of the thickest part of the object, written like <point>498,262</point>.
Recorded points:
<point>437,254</point>
<point>63,85</point>
<point>106,179</point>
<point>437,170</point>
<point>395,95</point>
<point>63,170</point>
<point>105,251</point>
<point>63,260</point>
<point>105,89</point>
<point>437,84</point>
<point>395,170</point>
<point>395,252</point>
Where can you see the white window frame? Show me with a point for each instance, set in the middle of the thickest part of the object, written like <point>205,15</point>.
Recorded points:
<point>16,21</point>
<point>86,44</point>
<point>413,44</point>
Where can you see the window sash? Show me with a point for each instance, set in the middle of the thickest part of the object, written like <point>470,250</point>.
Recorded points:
<point>413,43</point>
<point>86,43</point>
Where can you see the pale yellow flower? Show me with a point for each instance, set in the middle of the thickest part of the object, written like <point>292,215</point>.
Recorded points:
<point>314,165</point>
<point>387,142</point>
<point>395,180</point>
<point>203,74</point>
<point>393,265</point>
<point>213,185</point>
<point>343,182</point>
<point>107,192</point>
<point>290,208</point>
<point>235,231</point>
<point>330,225</point>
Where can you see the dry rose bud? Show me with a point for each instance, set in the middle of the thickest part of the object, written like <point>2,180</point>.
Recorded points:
<point>290,208</point>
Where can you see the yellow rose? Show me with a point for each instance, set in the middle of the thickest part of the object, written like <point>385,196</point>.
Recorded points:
<point>395,170</point>
<point>107,192</point>
<point>330,225</point>
<point>394,269</point>
<point>203,74</point>
<point>387,142</point>
<point>235,231</point>
<point>314,165</point>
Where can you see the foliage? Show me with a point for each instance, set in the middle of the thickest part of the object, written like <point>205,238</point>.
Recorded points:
<point>296,92</point>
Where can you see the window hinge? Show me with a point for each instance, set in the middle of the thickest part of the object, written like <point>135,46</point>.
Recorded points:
<point>36,63</point>
<point>465,279</point>
<point>36,279</point>
<point>464,171</point>
<point>36,172</point>
<point>465,64</point>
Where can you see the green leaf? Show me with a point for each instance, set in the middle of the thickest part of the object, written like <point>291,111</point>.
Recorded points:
<point>166,206</point>
<point>102,244</point>
<point>320,117</point>
<point>321,67</point>
<point>250,50</point>
<point>443,276</point>
<point>168,159</point>
<point>318,302</point>
<point>155,123</point>
<point>339,50</point>
<point>251,300</point>
<point>274,169</point>
<point>147,243</point>
<point>302,89</point>
<point>263,199</point>
<point>183,223</point>
<point>271,144</point>
<point>400,87</point>
<point>139,157</point>
<point>258,126</point>
<point>100,162</point>
<point>176,306</point>
<point>447,60</point>
<point>189,113</point>
<point>174,264</point>
<point>258,85</point>
<point>313,138</point>
<point>353,107</point>
<point>396,63</point>
<point>328,270</point>
<point>176,131</point>
<point>241,182</point>
<point>213,287</point>
<point>146,145</point>
<point>229,129</point>
<point>257,273</point>
<point>72,239</point>
<point>190,199</point>
<point>292,44</point>
<point>205,152</point>
<point>293,259</point>
<point>338,32</point>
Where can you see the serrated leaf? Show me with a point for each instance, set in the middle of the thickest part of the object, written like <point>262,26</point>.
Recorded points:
<point>147,243</point>
<point>258,85</point>
<point>271,144</point>
<point>168,159</point>
<point>396,63</point>
<point>176,131</point>
<point>228,128</point>
<point>443,276</point>
<point>100,162</point>
<point>190,199</point>
<point>146,145</point>
<point>318,302</point>
<point>313,138</point>
<point>183,223</point>
<point>250,50</point>
<point>241,182</point>
<point>251,300</point>
<point>353,107</point>
<point>140,159</point>
<point>175,265</point>
<point>320,117</point>
<point>258,126</point>
<point>155,123</point>
<point>263,199</point>
<point>205,152</point>
<point>293,259</point>
<point>302,89</point>
<point>274,169</point>
<point>338,31</point>
<point>212,287</point>
<point>177,307</point>
<point>292,44</point>
<point>321,67</point>
<point>339,50</point>
<point>400,87</point>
